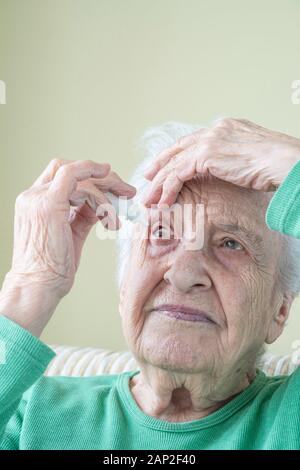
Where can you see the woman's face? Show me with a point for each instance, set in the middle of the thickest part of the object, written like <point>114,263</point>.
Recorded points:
<point>232,278</point>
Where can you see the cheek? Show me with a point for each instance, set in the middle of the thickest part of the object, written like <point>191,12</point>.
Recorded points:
<point>142,275</point>
<point>233,262</point>
<point>139,286</point>
<point>244,304</point>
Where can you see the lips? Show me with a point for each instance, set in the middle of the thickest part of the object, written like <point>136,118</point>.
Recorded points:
<point>183,312</point>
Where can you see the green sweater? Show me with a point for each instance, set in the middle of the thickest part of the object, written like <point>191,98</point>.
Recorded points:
<point>38,412</point>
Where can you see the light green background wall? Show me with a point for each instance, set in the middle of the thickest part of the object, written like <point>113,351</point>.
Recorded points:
<point>85,77</point>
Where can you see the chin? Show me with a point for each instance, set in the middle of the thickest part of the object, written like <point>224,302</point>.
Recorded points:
<point>173,353</point>
<point>172,344</point>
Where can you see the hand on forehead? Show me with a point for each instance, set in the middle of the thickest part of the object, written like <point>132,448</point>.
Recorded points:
<point>213,204</point>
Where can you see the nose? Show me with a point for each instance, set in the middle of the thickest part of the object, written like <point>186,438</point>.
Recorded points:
<point>188,272</point>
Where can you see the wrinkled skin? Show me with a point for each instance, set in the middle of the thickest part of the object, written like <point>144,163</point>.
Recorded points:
<point>189,369</point>
<point>49,235</point>
<point>235,150</point>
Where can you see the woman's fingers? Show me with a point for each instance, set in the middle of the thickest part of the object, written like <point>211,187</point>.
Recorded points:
<point>156,187</point>
<point>99,203</point>
<point>84,182</point>
<point>67,177</point>
<point>82,219</point>
<point>161,160</point>
<point>181,168</point>
<point>165,156</point>
<point>113,183</point>
<point>50,171</point>
<point>170,189</point>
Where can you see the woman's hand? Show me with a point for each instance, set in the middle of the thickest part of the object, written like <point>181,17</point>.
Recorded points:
<point>235,150</point>
<point>49,236</point>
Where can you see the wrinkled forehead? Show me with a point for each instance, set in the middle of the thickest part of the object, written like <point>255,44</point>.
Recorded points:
<point>223,200</point>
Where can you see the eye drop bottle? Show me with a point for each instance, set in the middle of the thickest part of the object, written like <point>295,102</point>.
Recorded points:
<point>128,208</point>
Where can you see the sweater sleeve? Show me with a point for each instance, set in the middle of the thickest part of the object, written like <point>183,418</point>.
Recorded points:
<point>283,212</point>
<point>23,360</point>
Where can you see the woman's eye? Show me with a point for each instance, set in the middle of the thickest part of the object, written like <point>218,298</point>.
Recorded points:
<point>162,233</point>
<point>232,244</point>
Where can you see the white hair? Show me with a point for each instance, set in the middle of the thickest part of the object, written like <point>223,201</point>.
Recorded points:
<point>154,141</point>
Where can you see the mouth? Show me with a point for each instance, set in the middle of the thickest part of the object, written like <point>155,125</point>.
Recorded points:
<point>182,312</point>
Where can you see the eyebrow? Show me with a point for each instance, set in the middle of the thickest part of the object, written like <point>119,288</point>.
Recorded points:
<point>253,237</point>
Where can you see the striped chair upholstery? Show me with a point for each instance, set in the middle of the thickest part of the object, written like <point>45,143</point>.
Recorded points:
<point>84,362</point>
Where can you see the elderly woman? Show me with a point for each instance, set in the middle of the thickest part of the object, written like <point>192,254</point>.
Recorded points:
<point>196,320</point>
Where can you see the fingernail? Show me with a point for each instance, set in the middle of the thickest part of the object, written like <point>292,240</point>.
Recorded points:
<point>112,222</point>
<point>99,211</point>
<point>131,190</point>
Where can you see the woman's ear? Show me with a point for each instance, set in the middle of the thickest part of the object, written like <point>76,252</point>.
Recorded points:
<point>279,318</point>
